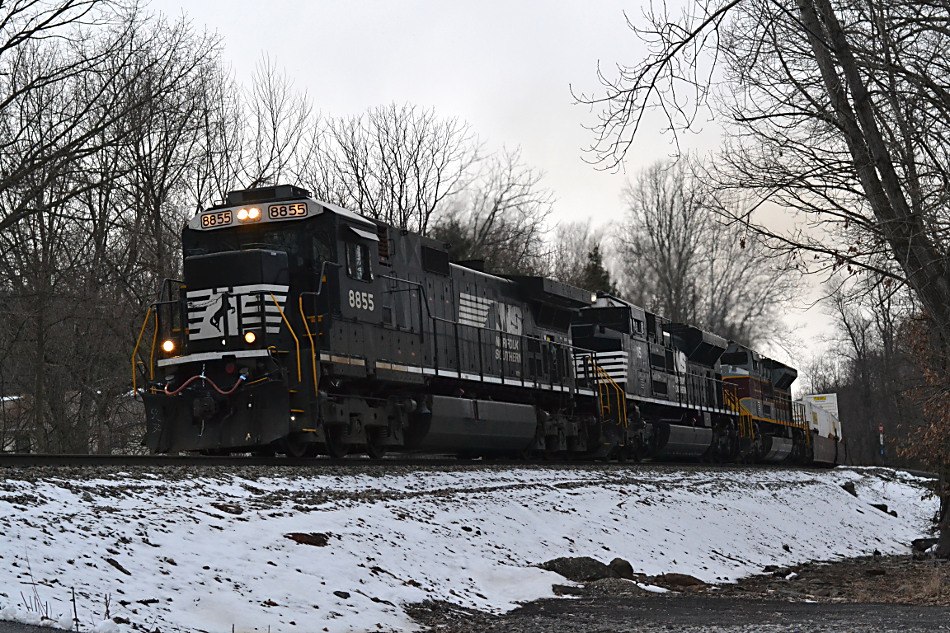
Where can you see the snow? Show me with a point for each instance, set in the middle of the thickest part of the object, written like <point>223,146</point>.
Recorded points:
<point>210,553</point>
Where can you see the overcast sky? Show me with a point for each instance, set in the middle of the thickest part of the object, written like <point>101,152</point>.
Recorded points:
<point>505,66</point>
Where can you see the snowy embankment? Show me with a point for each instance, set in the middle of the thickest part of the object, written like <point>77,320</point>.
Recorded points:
<point>345,552</point>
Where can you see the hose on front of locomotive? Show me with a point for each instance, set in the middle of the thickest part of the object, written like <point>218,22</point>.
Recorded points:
<point>202,376</point>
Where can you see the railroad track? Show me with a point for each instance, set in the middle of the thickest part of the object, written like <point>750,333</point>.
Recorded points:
<point>356,462</point>
<point>37,460</point>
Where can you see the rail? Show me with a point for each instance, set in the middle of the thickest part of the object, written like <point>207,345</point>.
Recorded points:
<point>135,352</point>
<point>746,426</point>
<point>292,333</point>
<point>604,384</point>
<point>313,347</point>
<point>557,376</point>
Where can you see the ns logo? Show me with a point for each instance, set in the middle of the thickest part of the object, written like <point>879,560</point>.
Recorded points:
<point>229,311</point>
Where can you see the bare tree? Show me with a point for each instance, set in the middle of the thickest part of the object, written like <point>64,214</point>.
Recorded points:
<point>87,232</point>
<point>499,218</point>
<point>873,370</point>
<point>837,109</point>
<point>276,116</point>
<point>681,260</point>
<point>77,60</point>
<point>399,164</point>
<point>577,257</point>
<point>216,166</point>
<point>156,158</point>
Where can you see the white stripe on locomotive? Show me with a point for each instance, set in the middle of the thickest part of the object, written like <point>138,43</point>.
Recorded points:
<point>207,310</point>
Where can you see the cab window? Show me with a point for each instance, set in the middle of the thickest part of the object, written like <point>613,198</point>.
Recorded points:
<point>357,261</point>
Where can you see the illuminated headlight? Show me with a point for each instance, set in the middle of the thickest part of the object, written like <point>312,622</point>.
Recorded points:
<point>251,214</point>
<point>250,337</point>
<point>593,297</point>
<point>168,346</point>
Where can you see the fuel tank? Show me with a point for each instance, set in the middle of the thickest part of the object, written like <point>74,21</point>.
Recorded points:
<point>675,440</point>
<point>474,426</point>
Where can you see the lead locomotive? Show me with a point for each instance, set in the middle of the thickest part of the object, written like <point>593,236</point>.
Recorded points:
<point>301,327</point>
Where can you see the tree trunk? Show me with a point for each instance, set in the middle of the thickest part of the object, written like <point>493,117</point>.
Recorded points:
<point>943,540</point>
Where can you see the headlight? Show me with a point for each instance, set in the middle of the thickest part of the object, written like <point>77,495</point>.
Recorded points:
<point>250,337</point>
<point>168,346</point>
<point>251,214</point>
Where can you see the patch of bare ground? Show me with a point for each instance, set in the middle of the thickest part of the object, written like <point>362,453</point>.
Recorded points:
<point>919,579</point>
<point>880,579</point>
<point>876,594</point>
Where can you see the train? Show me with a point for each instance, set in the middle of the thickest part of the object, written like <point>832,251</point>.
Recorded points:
<point>303,328</point>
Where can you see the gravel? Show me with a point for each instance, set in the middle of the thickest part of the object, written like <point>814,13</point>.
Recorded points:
<point>687,614</point>
<point>880,594</point>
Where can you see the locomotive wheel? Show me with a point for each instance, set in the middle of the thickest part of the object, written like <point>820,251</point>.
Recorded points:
<point>295,446</point>
<point>375,442</point>
<point>336,446</point>
<point>636,450</point>
<point>555,445</point>
<point>265,451</point>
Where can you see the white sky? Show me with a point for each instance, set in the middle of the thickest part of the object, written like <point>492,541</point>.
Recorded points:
<point>506,67</point>
<point>208,553</point>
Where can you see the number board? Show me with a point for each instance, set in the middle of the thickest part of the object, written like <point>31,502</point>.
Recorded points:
<point>215,218</point>
<point>225,218</point>
<point>288,210</point>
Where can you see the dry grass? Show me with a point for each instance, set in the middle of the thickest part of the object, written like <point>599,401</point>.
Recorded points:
<point>881,579</point>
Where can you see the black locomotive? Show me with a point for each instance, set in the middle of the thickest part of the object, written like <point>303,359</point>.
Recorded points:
<point>302,328</point>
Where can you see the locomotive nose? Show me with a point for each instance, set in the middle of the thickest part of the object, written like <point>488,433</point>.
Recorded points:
<point>204,407</point>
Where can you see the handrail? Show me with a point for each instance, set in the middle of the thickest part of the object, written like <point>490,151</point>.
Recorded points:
<point>424,295</point>
<point>798,418</point>
<point>604,380</point>
<point>151,358</point>
<point>313,352</point>
<point>165,283</point>
<point>572,350</point>
<point>323,274</point>
<point>135,351</point>
<point>620,395</point>
<point>746,427</point>
<point>292,333</point>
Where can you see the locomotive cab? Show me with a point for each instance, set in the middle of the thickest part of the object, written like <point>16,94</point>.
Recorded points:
<point>237,365</point>
<point>772,430</point>
<point>668,373</point>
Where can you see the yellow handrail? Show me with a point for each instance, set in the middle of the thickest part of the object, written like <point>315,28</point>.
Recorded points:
<point>292,333</point>
<point>313,352</point>
<point>151,356</point>
<point>746,427</point>
<point>604,380</point>
<point>620,396</point>
<point>135,351</point>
